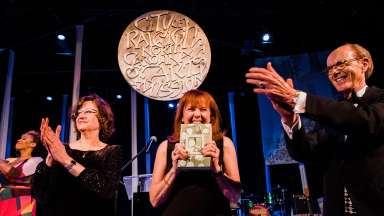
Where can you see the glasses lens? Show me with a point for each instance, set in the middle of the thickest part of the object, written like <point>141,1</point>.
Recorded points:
<point>340,65</point>
<point>87,112</point>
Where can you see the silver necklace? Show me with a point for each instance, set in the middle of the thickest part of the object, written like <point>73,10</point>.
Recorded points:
<point>85,154</point>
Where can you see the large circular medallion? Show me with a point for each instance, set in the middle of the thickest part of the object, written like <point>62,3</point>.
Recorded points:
<point>162,54</point>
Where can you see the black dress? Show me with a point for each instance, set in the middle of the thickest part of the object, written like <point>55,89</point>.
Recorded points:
<point>195,192</point>
<point>91,193</point>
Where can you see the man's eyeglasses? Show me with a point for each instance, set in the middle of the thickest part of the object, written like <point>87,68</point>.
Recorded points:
<point>86,112</point>
<point>340,65</point>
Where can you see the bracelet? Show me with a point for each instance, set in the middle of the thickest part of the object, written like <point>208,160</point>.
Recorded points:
<point>217,174</point>
<point>70,165</point>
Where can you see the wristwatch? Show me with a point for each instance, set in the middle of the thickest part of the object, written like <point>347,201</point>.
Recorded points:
<point>220,173</point>
<point>70,165</point>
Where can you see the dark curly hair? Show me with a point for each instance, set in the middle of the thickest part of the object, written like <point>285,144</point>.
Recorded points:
<point>105,116</point>
<point>39,150</point>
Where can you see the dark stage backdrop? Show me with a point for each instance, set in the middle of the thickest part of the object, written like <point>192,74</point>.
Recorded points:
<point>3,72</point>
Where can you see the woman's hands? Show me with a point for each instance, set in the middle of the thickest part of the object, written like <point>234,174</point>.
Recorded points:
<point>51,141</point>
<point>211,150</point>
<point>178,153</point>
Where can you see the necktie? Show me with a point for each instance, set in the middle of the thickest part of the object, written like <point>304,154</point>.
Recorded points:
<point>348,207</point>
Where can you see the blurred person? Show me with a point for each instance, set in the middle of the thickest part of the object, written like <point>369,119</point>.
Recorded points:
<point>16,174</point>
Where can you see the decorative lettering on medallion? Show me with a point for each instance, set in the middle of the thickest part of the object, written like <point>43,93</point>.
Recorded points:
<point>163,54</point>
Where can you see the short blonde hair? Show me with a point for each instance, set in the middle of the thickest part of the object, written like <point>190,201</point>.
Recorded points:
<point>361,52</point>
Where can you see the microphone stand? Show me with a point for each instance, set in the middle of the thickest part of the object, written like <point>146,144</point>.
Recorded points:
<point>130,162</point>
<point>143,149</point>
<point>134,157</point>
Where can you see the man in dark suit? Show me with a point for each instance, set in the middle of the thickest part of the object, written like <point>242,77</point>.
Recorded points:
<point>348,139</point>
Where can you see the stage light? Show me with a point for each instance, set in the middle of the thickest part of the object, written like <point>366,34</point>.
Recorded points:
<point>62,46</point>
<point>266,38</point>
<point>171,105</point>
<point>119,97</point>
<point>61,37</point>
<point>49,98</point>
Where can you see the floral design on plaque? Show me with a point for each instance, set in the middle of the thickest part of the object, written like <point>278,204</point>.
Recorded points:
<point>194,137</point>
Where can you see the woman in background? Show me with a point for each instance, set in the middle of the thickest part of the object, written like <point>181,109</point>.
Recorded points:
<point>16,174</point>
<point>80,178</point>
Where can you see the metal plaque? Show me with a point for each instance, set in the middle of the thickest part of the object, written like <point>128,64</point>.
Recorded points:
<point>162,54</point>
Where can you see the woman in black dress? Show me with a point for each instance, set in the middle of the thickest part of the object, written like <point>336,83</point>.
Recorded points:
<point>196,192</point>
<point>80,178</point>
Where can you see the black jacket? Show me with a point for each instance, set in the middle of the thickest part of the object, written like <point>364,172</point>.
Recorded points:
<point>348,143</point>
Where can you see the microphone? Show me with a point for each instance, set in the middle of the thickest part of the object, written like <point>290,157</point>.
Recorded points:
<point>151,140</point>
<point>144,149</point>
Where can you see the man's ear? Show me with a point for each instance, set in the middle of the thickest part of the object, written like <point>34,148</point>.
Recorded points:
<point>365,64</point>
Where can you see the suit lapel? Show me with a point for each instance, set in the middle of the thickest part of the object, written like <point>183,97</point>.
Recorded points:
<point>371,95</point>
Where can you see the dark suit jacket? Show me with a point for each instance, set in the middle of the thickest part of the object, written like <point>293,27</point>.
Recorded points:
<point>356,160</point>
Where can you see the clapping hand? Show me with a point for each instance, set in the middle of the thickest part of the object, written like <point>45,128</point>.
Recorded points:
<point>52,142</point>
<point>280,92</point>
<point>270,83</point>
